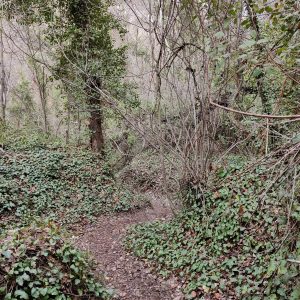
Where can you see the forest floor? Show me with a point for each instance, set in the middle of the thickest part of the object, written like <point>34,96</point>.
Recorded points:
<point>131,278</point>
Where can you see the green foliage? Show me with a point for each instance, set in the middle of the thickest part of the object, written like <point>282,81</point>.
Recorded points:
<point>66,186</point>
<point>84,59</point>
<point>233,242</point>
<point>36,263</point>
<point>22,109</point>
<point>82,29</point>
<point>28,138</point>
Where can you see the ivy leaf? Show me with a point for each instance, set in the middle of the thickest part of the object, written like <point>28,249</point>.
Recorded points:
<point>281,292</point>
<point>219,34</point>
<point>257,72</point>
<point>26,277</point>
<point>272,268</point>
<point>262,41</point>
<point>248,44</point>
<point>20,280</point>
<point>6,254</point>
<point>8,296</point>
<point>44,291</point>
<point>22,294</point>
<point>296,139</point>
<point>295,294</point>
<point>269,9</point>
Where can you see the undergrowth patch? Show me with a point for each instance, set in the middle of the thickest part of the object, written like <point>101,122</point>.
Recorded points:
<point>36,263</point>
<point>66,186</point>
<point>27,138</point>
<point>240,241</point>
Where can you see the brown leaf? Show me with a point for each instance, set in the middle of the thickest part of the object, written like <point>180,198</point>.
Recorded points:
<point>218,296</point>
<point>217,195</point>
<point>241,210</point>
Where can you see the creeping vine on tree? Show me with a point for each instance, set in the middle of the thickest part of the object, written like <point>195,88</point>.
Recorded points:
<point>81,33</point>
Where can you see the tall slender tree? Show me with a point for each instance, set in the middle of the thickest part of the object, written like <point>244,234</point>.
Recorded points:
<point>3,87</point>
<point>86,59</point>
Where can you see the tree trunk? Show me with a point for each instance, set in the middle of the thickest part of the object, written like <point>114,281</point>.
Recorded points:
<point>2,79</point>
<point>68,123</point>
<point>97,139</point>
<point>43,95</point>
<point>78,128</point>
<point>80,11</point>
<point>261,78</point>
<point>96,117</point>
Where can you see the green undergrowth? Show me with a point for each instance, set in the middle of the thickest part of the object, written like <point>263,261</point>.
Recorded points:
<point>240,241</point>
<point>27,138</point>
<point>36,263</point>
<point>67,186</point>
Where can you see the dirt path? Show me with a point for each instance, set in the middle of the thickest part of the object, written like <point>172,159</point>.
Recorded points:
<point>131,279</point>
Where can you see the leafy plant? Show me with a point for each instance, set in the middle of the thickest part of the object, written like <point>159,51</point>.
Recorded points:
<point>27,138</point>
<point>230,243</point>
<point>36,263</point>
<point>66,186</point>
